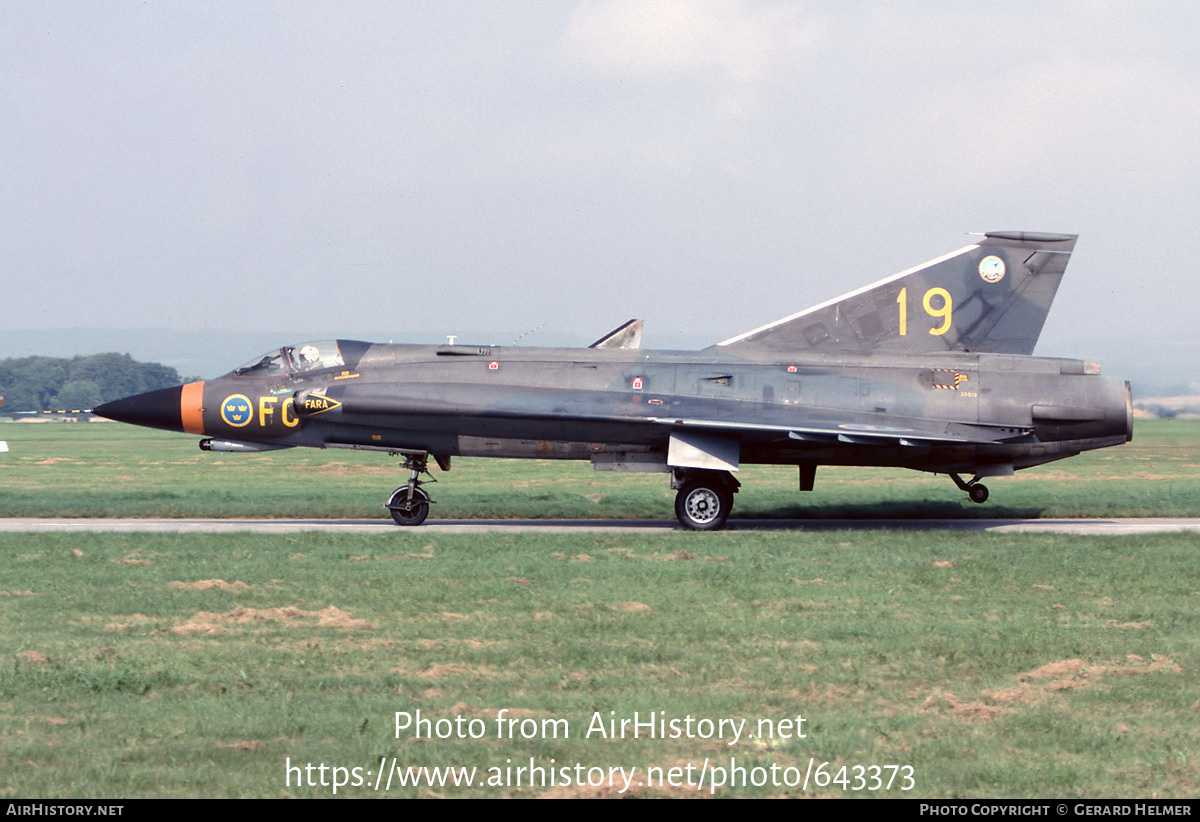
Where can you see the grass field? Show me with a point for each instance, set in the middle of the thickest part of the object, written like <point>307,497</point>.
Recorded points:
<point>964,665</point>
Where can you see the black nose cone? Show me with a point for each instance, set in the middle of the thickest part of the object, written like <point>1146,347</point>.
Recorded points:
<point>154,409</point>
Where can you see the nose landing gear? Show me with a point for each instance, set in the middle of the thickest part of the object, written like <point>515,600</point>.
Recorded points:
<point>409,504</point>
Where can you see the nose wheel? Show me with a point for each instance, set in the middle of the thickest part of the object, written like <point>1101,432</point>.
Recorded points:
<point>409,504</point>
<point>409,508</point>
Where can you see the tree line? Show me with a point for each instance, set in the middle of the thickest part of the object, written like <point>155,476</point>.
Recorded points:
<point>77,383</point>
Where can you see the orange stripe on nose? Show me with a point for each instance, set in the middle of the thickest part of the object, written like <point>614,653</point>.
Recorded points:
<point>191,407</point>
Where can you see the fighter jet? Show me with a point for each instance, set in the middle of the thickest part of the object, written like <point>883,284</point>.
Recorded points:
<point>929,369</point>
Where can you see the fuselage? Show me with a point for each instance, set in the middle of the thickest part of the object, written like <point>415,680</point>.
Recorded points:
<point>948,412</point>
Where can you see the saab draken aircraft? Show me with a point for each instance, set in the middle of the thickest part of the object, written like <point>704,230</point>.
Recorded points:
<point>929,369</point>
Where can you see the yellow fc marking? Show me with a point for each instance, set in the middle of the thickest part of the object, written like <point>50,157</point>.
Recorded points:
<point>288,413</point>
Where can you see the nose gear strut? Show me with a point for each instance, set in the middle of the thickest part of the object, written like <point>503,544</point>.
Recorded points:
<point>409,504</point>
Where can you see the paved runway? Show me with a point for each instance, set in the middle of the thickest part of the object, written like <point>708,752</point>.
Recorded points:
<point>1092,527</point>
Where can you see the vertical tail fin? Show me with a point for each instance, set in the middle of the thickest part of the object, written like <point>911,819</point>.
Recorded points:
<point>990,297</point>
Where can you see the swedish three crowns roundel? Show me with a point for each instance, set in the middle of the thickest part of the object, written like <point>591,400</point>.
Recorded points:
<point>236,410</point>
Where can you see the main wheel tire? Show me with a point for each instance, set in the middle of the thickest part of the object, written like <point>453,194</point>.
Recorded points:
<point>978,493</point>
<point>703,506</point>
<point>409,512</point>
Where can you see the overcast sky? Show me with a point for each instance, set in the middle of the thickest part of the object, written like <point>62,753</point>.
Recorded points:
<point>474,167</point>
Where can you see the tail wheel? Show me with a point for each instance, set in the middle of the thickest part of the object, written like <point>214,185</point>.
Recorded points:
<point>407,511</point>
<point>703,505</point>
<point>976,490</point>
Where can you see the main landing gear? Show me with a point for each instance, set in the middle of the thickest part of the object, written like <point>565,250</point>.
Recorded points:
<point>409,503</point>
<point>705,498</point>
<point>976,490</point>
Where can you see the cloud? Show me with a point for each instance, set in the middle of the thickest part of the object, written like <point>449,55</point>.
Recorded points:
<point>731,47</point>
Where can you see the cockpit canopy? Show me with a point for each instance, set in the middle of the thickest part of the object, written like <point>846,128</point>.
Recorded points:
<point>311,356</point>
